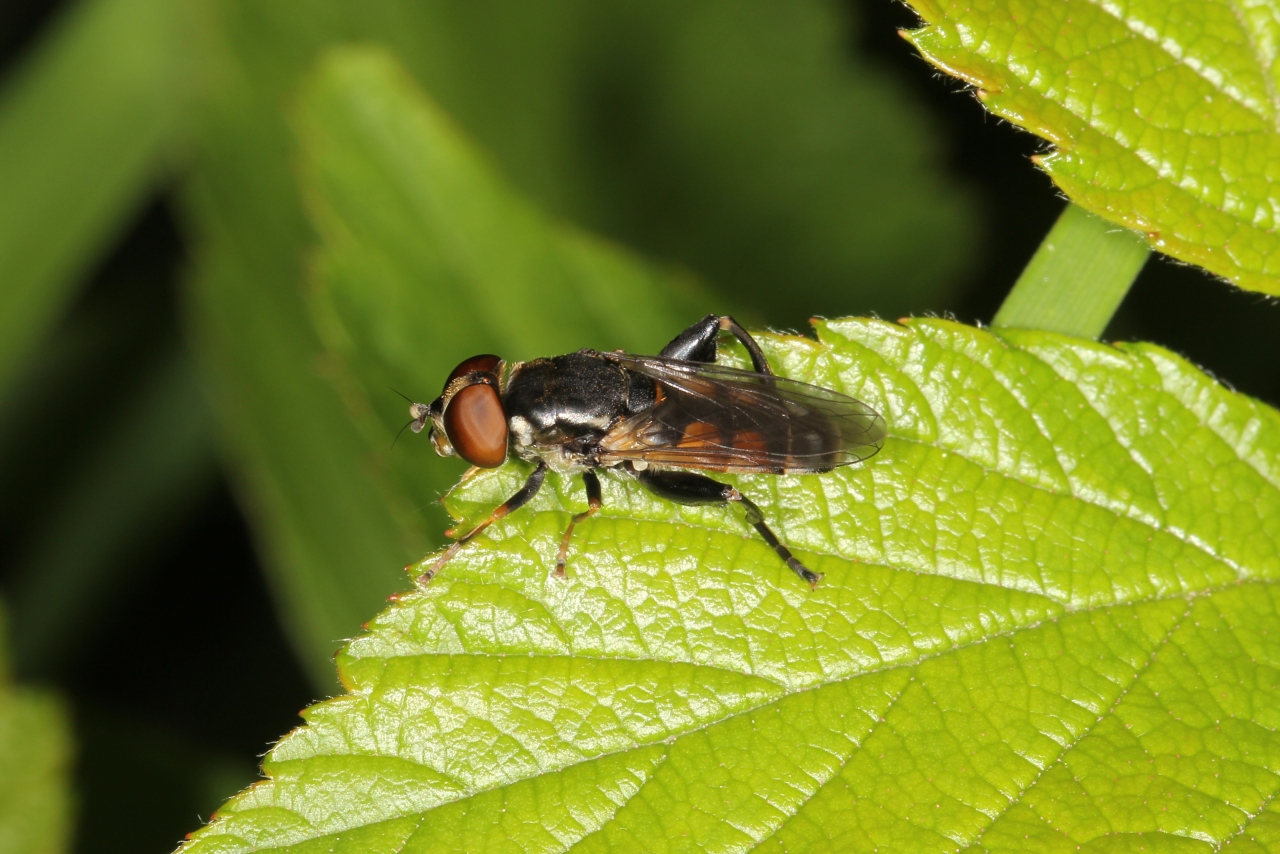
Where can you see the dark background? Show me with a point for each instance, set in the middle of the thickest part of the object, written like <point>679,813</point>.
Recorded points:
<point>164,738</point>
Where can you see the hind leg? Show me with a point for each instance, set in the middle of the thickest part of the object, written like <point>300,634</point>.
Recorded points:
<point>685,487</point>
<point>698,342</point>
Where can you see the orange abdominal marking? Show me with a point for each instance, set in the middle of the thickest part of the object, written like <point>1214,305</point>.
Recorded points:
<point>749,440</point>
<point>699,434</point>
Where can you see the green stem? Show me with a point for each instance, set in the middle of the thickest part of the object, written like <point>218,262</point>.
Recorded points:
<point>1077,278</point>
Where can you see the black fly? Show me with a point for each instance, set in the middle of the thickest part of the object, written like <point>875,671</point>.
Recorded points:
<point>648,416</point>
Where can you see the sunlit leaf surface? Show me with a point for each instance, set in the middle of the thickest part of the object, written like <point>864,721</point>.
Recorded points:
<point>1049,620</point>
<point>1165,116</point>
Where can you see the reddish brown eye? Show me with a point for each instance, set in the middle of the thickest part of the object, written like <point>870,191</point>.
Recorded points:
<point>485,363</point>
<point>476,426</point>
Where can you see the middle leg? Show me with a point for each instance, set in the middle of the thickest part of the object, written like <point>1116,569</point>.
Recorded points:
<point>685,487</point>
<point>592,483</point>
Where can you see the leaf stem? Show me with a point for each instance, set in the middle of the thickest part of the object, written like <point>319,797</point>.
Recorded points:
<point>1077,278</point>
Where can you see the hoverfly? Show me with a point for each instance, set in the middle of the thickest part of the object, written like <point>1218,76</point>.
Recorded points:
<point>650,417</point>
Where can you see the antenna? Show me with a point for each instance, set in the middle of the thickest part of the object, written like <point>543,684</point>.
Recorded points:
<point>401,433</point>
<point>411,420</point>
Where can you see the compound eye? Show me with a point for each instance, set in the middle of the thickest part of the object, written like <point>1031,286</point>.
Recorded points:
<point>485,364</point>
<point>476,426</point>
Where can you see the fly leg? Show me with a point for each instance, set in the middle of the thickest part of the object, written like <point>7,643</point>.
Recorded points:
<point>515,502</point>
<point>685,487</point>
<point>698,342</point>
<point>592,483</point>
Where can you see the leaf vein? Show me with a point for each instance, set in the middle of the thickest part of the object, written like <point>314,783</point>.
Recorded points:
<point>1249,819</point>
<point>1084,733</point>
<point>855,746</point>
<point>1175,51</point>
<point>1263,66</point>
<point>1139,517</point>
<point>653,773</point>
<point>1207,422</point>
<point>469,792</point>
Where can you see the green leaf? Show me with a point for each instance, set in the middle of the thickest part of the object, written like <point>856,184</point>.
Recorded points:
<point>1165,117</point>
<point>1050,619</point>
<point>35,754</point>
<point>85,129</point>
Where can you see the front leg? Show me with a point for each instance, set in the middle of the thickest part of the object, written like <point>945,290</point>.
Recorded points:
<point>515,502</point>
<point>685,487</point>
<point>698,342</point>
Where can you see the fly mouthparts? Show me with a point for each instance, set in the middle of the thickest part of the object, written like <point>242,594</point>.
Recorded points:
<point>419,412</point>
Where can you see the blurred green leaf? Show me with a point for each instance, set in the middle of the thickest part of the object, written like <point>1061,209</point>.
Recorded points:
<point>1049,621</point>
<point>1165,117</point>
<point>430,258</point>
<point>35,758</point>
<point>330,535</point>
<point>752,143</point>
<point>86,127</point>
<point>744,140</point>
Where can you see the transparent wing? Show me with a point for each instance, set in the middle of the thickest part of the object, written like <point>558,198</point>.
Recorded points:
<point>724,419</point>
